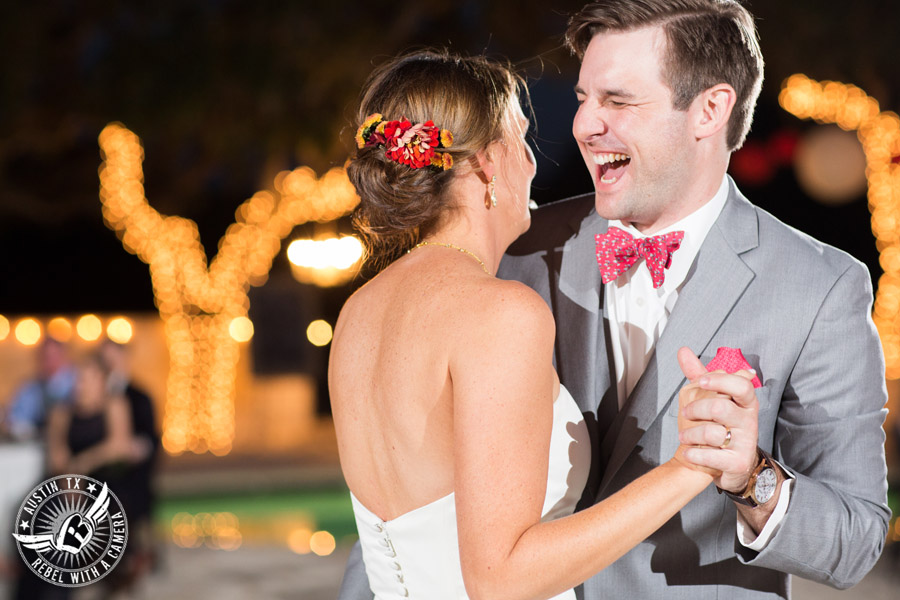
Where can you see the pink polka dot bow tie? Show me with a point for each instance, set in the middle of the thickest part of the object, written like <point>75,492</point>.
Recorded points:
<point>617,250</point>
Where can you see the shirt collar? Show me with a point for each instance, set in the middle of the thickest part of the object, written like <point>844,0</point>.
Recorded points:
<point>695,227</point>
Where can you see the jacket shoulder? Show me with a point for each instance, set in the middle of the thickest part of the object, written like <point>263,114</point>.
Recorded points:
<point>814,257</point>
<point>552,224</point>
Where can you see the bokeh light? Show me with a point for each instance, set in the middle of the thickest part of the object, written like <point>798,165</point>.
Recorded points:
<point>28,332</point>
<point>197,299</point>
<point>4,328</point>
<point>340,253</point>
<point>89,328</point>
<point>241,329</point>
<point>322,543</point>
<point>120,330</point>
<point>319,333</point>
<point>325,262</point>
<point>60,329</point>
<point>218,531</point>
<point>879,132</point>
<point>298,540</point>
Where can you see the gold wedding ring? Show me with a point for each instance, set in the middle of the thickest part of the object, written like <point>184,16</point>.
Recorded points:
<point>727,439</point>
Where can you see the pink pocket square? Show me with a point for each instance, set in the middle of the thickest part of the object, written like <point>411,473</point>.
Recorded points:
<point>731,360</point>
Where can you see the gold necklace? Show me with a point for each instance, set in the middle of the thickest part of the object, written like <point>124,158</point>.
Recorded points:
<point>455,247</point>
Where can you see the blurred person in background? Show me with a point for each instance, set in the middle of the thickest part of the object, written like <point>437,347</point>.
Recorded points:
<point>53,385</point>
<point>139,475</point>
<point>94,436</point>
<point>21,444</point>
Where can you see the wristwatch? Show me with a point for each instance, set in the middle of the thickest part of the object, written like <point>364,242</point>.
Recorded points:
<point>761,485</point>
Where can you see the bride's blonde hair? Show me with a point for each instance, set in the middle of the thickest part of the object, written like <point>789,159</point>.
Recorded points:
<point>470,96</point>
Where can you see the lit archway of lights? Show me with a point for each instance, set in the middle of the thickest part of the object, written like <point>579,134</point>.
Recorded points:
<point>198,303</point>
<point>879,132</point>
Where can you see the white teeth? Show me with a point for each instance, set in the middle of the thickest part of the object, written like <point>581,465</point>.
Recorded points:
<point>602,159</point>
<point>610,180</point>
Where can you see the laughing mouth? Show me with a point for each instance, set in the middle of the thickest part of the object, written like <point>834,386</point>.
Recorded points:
<point>610,163</point>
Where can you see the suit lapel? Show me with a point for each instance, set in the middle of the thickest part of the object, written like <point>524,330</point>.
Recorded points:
<point>716,281</point>
<point>579,316</point>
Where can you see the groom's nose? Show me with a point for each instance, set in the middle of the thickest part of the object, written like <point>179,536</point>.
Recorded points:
<point>590,123</point>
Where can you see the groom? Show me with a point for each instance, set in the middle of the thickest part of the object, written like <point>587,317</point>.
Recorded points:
<point>666,91</point>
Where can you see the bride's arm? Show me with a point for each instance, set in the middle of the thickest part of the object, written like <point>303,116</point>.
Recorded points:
<point>503,386</point>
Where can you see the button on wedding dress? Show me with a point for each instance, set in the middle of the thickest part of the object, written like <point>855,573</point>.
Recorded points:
<point>416,555</point>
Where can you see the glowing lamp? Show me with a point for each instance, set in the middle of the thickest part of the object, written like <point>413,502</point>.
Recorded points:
<point>322,543</point>
<point>326,262</point>
<point>89,328</point>
<point>241,329</point>
<point>28,332</point>
<point>120,330</point>
<point>4,328</point>
<point>59,329</point>
<point>319,333</point>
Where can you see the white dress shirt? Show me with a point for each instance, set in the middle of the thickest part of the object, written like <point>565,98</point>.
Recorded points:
<point>638,313</point>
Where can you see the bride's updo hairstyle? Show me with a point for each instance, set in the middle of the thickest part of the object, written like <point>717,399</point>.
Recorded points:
<point>468,96</point>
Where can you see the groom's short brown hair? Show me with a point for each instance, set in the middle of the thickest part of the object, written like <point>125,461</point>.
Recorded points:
<point>708,42</point>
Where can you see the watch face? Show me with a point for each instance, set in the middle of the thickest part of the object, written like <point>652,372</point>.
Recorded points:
<point>765,485</point>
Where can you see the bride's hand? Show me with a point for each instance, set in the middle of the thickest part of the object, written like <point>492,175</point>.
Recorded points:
<point>717,420</point>
<point>689,394</point>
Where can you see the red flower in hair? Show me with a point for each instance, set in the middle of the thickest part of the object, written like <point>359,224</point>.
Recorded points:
<point>412,145</point>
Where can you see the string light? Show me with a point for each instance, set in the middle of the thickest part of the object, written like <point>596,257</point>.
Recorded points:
<point>879,132</point>
<point>325,262</point>
<point>241,329</point>
<point>199,303</point>
<point>4,328</point>
<point>120,330</point>
<point>59,329</point>
<point>319,333</point>
<point>28,332</point>
<point>89,328</point>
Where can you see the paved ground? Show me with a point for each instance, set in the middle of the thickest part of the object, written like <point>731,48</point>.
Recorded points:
<point>270,573</point>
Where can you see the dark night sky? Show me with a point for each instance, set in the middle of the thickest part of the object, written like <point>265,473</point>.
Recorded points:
<point>224,94</point>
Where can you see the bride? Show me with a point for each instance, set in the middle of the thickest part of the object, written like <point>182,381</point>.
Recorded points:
<point>464,455</point>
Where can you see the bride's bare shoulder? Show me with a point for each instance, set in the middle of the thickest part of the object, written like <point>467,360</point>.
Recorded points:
<point>506,307</point>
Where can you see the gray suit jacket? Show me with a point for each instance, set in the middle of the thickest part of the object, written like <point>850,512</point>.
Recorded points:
<point>800,312</point>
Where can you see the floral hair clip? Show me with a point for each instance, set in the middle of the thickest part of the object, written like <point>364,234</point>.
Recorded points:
<point>409,144</point>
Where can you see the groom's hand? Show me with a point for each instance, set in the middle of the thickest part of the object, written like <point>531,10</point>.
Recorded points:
<point>713,405</point>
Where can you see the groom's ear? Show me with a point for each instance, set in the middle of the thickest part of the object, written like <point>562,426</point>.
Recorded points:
<point>712,110</point>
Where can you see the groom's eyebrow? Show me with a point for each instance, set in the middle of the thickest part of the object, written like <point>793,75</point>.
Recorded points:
<point>617,93</point>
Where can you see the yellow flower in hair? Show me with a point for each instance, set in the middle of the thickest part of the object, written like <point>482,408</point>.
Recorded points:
<point>437,160</point>
<point>446,138</point>
<point>448,161</point>
<point>365,130</point>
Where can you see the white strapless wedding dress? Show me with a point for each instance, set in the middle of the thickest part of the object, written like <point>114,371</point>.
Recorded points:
<point>416,555</point>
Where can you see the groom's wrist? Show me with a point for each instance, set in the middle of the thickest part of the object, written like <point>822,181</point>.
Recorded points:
<point>762,484</point>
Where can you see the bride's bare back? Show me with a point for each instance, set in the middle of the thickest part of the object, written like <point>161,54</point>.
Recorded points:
<point>390,375</point>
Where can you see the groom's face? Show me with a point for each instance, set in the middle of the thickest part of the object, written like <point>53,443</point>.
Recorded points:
<point>636,146</point>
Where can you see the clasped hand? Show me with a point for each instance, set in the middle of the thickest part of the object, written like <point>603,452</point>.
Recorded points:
<point>717,423</point>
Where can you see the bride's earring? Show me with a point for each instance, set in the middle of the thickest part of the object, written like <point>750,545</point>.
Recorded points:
<point>493,192</point>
